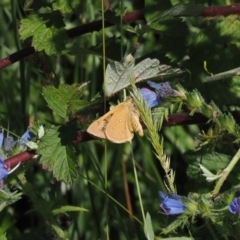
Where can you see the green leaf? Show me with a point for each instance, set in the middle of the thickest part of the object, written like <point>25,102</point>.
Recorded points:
<point>214,162</point>
<point>148,229</point>
<point>112,16</point>
<point>65,6</point>
<point>64,209</point>
<point>153,8</point>
<point>189,9</point>
<point>57,154</point>
<point>3,237</point>
<point>65,99</point>
<point>229,27</point>
<point>58,231</point>
<point>168,21</point>
<point>47,32</point>
<point>119,75</point>
<point>175,11</point>
<point>169,26</point>
<point>7,198</point>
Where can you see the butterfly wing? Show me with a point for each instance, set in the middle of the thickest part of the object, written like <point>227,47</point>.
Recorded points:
<point>98,127</point>
<point>117,129</point>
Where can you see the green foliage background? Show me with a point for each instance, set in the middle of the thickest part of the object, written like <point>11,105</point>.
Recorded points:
<point>185,42</point>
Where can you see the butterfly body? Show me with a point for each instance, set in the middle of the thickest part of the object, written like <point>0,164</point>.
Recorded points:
<point>119,124</point>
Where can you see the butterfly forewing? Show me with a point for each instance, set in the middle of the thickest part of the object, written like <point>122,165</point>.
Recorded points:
<point>117,129</point>
<point>98,127</point>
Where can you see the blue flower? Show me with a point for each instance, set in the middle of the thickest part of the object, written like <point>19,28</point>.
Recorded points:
<point>26,137</point>
<point>162,90</point>
<point>7,144</point>
<point>150,97</point>
<point>234,206</point>
<point>1,138</point>
<point>3,169</point>
<point>171,204</point>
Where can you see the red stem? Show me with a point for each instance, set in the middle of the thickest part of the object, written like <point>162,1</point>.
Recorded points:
<point>19,158</point>
<point>177,119</point>
<point>174,120</point>
<point>72,33</point>
<point>128,18</point>
<point>221,10</point>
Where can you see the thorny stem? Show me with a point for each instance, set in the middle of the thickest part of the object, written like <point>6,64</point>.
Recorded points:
<point>128,17</point>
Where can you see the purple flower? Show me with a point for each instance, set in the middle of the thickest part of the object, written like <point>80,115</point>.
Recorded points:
<point>163,89</point>
<point>3,169</point>
<point>8,143</point>
<point>27,136</point>
<point>171,204</point>
<point>1,138</point>
<point>234,206</point>
<point>150,97</point>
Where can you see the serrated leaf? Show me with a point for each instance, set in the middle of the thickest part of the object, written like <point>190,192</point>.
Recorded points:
<point>57,154</point>
<point>157,13</point>
<point>169,26</point>
<point>65,6</point>
<point>76,105</point>
<point>152,8</point>
<point>229,27</point>
<point>145,69</point>
<point>181,9</point>
<point>64,209</point>
<point>148,229</point>
<point>47,31</point>
<point>119,75</point>
<point>65,99</point>
<point>214,162</point>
